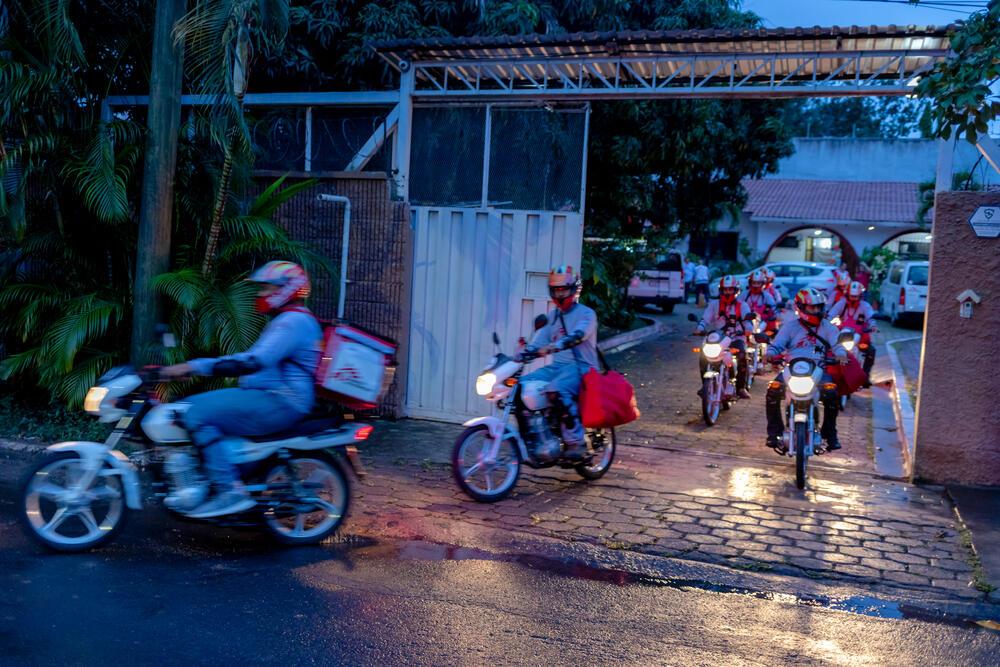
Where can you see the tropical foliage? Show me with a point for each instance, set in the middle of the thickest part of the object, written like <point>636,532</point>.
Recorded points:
<point>960,87</point>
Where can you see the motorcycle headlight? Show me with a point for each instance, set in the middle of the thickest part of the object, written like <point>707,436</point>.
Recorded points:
<point>484,383</point>
<point>92,403</point>
<point>835,321</point>
<point>712,350</point>
<point>849,345</point>
<point>801,385</point>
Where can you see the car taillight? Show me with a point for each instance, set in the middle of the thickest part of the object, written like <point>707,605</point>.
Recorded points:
<point>902,296</point>
<point>363,432</point>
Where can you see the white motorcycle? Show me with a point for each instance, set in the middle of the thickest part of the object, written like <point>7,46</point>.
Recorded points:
<point>803,378</point>
<point>488,454</point>
<point>79,495</point>
<point>718,383</point>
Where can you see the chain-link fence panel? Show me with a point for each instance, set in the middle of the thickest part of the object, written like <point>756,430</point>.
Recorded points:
<point>279,138</point>
<point>446,156</point>
<point>340,134</point>
<point>536,158</point>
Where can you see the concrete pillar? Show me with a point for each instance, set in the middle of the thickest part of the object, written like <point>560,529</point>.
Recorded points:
<point>957,437</point>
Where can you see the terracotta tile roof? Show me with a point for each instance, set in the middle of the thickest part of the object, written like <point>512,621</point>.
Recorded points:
<point>864,201</point>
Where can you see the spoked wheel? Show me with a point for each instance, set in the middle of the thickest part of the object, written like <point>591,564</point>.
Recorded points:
<point>603,443</point>
<point>711,399</point>
<point>483,480</point>
<point>306,499</point>
<point>62,511</point>
<point>800,455</point>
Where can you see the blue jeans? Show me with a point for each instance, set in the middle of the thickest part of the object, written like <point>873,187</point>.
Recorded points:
<point>564,380</point>
<point>215,417</point>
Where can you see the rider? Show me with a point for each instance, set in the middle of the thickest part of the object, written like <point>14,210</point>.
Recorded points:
<point>858,314</point>
<point>769,285</point>
<point>275,387</point>
<point>571,334</point>
<point>812,337</point>
<point>728,315</point>
<point>757,299</point>
<point>838,293</point>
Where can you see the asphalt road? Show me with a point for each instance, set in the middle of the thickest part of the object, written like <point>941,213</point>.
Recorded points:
<point>169,593</point>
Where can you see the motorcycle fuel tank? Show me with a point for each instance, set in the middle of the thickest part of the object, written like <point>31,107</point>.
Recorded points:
<point>160,425</point>
<point>533,395</point>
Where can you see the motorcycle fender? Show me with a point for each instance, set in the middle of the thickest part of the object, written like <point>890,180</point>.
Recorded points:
<point>493,424</point>
<point>95,453</point>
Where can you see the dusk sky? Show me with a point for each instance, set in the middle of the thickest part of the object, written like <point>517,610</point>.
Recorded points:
<point>793,13</point>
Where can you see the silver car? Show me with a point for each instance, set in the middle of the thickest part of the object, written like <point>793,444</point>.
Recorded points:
<point>790,277</point>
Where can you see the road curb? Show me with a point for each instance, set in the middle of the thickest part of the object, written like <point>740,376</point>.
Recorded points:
<point>905,415</point>
<point>624,341</point>
<point>21,448</point>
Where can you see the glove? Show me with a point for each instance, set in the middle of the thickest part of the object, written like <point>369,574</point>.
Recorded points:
<point>528,354</point>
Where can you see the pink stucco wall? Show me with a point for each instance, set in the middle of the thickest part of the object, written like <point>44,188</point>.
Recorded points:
<point>958,409</point>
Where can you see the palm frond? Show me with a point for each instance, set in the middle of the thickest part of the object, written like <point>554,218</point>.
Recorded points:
<point>20,363</point>
<point>271,199</point>
<point>186,287</point>
<point>73,385</point>
<point>100,180</point>
<point>86,319</point>
<point>57,31</point>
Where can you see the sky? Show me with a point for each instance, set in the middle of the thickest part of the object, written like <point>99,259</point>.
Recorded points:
<point>795,13</point>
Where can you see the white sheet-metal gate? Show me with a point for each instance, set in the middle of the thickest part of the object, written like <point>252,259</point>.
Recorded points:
<point>476,271</point>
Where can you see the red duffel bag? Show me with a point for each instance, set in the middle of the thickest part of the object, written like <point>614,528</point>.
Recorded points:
<point>849,377</point>
<point>606,399</point>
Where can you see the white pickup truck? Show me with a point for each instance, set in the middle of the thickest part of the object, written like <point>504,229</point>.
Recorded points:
<point>659,282</point>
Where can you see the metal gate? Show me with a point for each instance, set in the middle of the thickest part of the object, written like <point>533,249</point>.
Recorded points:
<point>476,271</point>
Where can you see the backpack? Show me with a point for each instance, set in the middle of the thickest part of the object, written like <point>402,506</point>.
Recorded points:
<point>356,366</point>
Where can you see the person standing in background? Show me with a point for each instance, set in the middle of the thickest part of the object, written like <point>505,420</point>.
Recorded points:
<point>701,283</point>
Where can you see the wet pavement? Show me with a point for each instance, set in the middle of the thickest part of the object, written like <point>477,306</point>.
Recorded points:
<point>168,593</point>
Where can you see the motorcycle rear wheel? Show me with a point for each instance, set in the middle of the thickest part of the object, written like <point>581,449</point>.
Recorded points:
<point>472,475</point>
<point>57,521</point>
<point>604,454</point>
<point>311,519</point>
<point>800,455</point>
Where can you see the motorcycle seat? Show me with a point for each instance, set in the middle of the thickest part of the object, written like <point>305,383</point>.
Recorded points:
<point>306,427</point>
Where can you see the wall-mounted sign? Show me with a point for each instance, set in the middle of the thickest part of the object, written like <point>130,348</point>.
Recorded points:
<point>986,221</point>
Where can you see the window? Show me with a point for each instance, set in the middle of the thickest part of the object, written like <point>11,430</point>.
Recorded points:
<point>896,275</point>
<point>790,241</point>
<point>798,271</point>
<point>780,270</point>
<point>671,262</point>
<point>918,275</point>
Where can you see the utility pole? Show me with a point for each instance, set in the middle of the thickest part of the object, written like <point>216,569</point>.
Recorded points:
<point>157,205</point>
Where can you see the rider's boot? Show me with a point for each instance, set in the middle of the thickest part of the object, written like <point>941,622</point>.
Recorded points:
<point>572,429</point>
<point>775,422</point>
<point>741,379</point>
<point>831,406</point>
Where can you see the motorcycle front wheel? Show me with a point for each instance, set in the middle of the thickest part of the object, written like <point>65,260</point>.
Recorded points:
<point>604,443</point>
<point>711,399</point>
<point>482,481</point>
<point>306,500</point>
<point>800,454</point>
<point>61,516</point>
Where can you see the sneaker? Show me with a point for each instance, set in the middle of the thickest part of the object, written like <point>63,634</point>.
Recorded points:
<point>227,502</point>
<point>777,444</point>
<point>743,393</point>
<point>832,444</point>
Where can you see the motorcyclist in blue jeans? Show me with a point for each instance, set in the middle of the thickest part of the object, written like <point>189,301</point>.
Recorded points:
<point>571,336</point>
<point>275,390</point>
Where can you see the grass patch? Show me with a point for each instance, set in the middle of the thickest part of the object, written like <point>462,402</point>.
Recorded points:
<point>972,558</point>
<point>22,419</point>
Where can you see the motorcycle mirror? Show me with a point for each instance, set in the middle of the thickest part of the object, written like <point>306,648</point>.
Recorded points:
<point>496,339</point>
<point>541,321</point>
<point>167,337</point>
<point>692,317</point>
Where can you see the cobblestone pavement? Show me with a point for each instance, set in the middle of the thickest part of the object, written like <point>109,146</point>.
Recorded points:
<point>681,490</point>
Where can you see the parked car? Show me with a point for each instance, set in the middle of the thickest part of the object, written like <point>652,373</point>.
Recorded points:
<point>659,282</point>
<point>903,294</point>
<point>790,277</point>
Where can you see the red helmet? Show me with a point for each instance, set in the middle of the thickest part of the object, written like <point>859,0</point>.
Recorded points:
<point>855,291</point>
<point>771,275</point>
<point>843,279</point>
<point>729,288</point>
<point>288,282</point>
<point>564,285</point>
<point>757,281</point>
<point>809,306</point>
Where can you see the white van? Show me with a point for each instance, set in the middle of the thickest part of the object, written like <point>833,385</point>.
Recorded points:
<point>903,294</point>
<point>659,282</point>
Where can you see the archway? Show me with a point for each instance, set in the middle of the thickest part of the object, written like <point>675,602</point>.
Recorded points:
<point>914,244</point>
<point>814,243</point>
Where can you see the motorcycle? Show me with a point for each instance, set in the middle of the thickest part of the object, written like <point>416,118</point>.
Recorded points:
<point>488,455</point>
<point>802,379</point>
<point>718,385</point>
<point>756,349</point>
<point>79,495</point>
